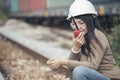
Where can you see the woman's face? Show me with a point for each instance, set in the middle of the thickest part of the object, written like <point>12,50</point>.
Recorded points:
<point>81,25</point>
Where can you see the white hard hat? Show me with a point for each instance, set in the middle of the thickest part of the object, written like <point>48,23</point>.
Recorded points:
<point>81,7</point>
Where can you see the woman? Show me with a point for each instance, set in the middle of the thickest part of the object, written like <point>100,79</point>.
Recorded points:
<point>91,55</point>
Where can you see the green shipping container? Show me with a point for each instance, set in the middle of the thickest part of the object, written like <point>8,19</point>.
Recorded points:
<point>14,6</point>
<point>52,4</point>
<point>1,3</point>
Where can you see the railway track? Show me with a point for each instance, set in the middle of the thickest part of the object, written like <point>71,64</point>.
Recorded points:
<point>60,74</point>
<point>38,53</point>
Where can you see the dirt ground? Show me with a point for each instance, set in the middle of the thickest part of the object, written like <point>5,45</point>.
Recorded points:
<point>16,64</point>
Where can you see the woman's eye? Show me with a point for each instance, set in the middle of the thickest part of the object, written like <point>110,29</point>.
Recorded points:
<point>80,22</point>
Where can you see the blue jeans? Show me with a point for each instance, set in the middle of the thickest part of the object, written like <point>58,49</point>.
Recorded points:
<point>85,73</point>
<point>1,77</point>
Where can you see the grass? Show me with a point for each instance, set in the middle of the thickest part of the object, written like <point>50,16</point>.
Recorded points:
<point>115,43</point>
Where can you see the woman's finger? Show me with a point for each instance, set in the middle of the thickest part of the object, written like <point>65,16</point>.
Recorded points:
<point>81,41</point>
<point>80,34</point>
<point>50,61</point>
<point>54,66</point>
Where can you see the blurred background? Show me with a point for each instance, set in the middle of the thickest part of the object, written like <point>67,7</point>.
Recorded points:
<point>51,14</point>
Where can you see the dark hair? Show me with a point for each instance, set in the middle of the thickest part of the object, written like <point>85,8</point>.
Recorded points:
<point>91,23</point>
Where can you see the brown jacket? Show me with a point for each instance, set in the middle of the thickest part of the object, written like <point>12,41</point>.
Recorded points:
<point>103,61</point>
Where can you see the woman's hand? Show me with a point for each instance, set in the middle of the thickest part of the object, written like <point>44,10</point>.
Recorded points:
<point>79,41</point>
<point>56,63</point>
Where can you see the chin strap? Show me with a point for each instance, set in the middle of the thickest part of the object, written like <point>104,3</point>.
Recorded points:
<point>75,22</point>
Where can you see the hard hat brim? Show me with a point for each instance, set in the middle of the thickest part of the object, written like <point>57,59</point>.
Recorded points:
<point>67,18</point>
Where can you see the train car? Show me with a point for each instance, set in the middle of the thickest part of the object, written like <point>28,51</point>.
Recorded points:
<point>107,7</point>
<point>40,11</point>
<point>2,3</point>
<point>53,12</point>
<point>107,10</point>
<point>57,7</point>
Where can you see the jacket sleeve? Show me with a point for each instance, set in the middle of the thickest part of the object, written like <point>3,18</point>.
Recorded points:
<point>95,60</point>
<point>73,56</point>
